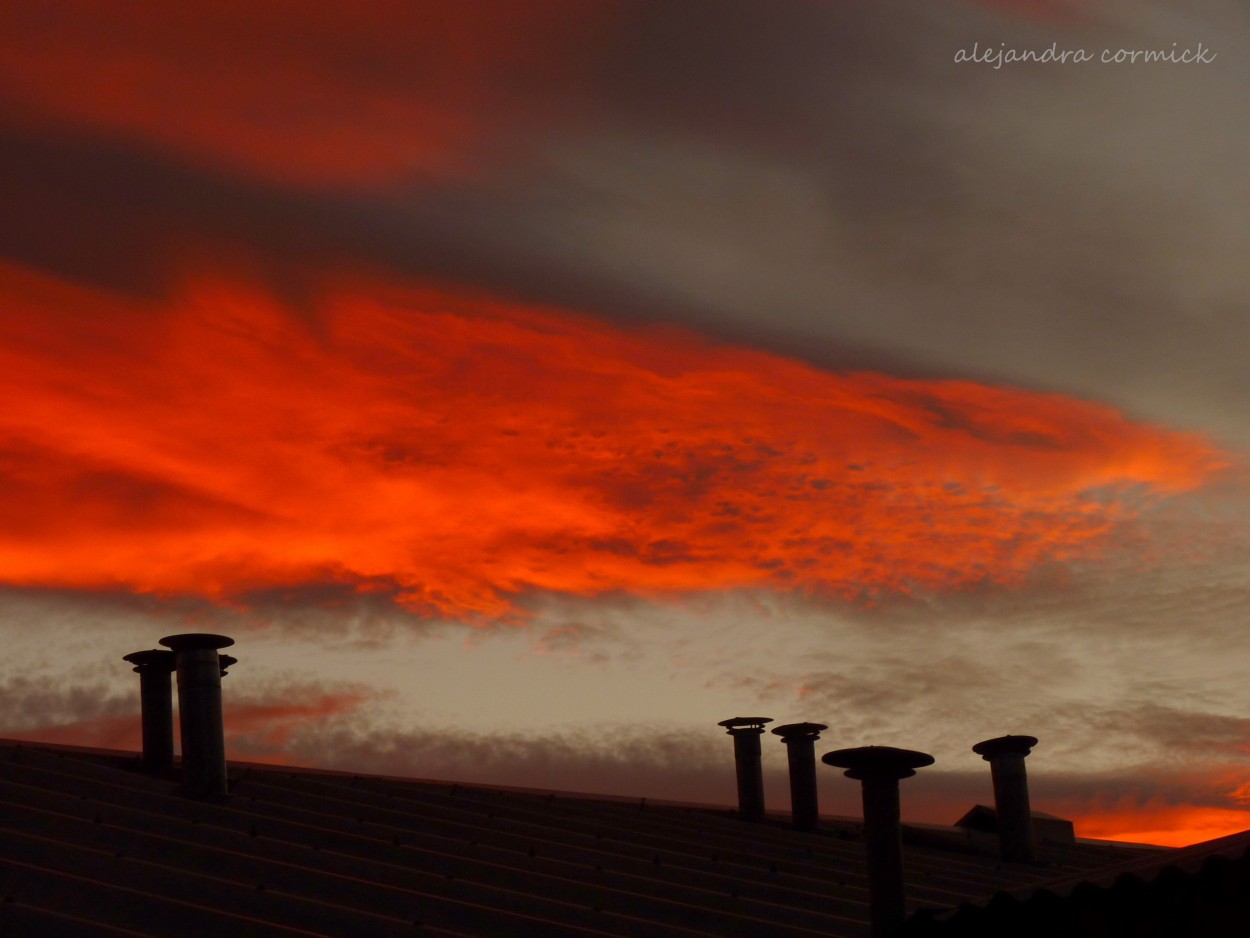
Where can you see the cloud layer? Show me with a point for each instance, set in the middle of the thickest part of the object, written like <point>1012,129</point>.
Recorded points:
<point>330,95</point>
<point>459,452</point>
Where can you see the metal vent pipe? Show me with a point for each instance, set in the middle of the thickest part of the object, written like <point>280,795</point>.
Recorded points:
<point>156,701</point>
<point>200,668</point>
<point>1006,754</point>
<point>746,732</point>
<point>800,740</point>
<point>879,770</point>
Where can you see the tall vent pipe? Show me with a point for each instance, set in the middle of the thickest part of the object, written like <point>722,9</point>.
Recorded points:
<point>156,701</point>
<point>746,732</point>
<point>800,740</point>
<point>879,770</point>
<point>200,669</point>
<point>1006,754</point>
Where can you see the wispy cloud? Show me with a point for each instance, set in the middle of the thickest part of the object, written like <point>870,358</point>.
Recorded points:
<point>336,95</point>
<point>258,725</point>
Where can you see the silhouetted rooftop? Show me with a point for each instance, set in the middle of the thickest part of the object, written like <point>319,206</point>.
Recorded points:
<point>1201,891</point>
<point>93,846</point>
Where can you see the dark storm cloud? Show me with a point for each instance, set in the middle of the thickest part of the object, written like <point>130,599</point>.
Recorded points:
<point>833,179</point>
<point>33,703</point>
<point>132,219</point>
<point>819,178</point>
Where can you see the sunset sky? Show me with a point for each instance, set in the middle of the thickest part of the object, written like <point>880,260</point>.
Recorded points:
<point>527,385</point>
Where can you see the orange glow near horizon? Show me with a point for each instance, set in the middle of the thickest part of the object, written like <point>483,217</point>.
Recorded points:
<point>462,452</point>
<point>1174,825</point>
<point>256,731</point>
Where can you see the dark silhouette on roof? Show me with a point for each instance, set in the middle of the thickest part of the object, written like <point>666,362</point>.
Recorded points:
<point>1201,891</point>
<point>983,820</point>
<point>91,843</point>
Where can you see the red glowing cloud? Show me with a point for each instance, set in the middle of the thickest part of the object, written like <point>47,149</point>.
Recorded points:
<point>463,452</point>
<point>321,93</point>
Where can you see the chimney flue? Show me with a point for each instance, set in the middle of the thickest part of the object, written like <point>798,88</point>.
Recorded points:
<point>746,732</point>
<point>800,740</point>
<point>156,701</point>
<point>1005,754</point>
<point>879,769</point>
<point>200,668</point>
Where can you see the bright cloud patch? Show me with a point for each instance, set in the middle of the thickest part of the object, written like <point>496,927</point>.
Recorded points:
<point>461,452</point>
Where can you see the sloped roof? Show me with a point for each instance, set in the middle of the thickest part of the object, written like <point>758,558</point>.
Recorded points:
<point>91,846</point>
<point>1202,890</point>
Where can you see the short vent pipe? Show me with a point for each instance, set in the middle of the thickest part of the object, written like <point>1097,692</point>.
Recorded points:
<point>746,732</point>
<point>800,740</point>
<point>1006,755</point>
<point>156,702</point>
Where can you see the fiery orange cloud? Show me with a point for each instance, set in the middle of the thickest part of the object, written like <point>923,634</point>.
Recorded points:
<point>464,452</point>
<point>328,93</point>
